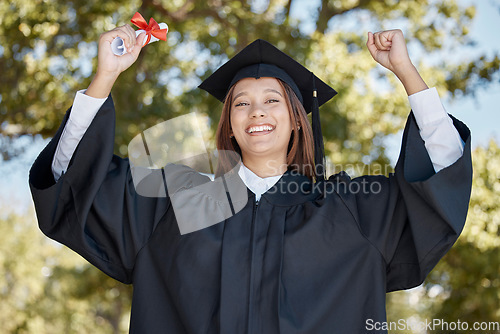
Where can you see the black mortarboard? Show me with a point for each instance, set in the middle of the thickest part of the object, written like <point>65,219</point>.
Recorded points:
<point>262,59</point>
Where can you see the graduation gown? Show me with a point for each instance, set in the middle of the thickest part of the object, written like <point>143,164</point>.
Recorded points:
<point>309,258</point>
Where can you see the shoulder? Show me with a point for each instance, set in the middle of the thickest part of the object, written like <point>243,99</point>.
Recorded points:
<point>346,186</point>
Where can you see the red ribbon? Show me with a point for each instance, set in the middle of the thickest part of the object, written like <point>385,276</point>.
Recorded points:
<point>152,28</point>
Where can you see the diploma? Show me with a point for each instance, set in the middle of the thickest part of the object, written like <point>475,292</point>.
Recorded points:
<point>153,30</point>
<point>118,45</point>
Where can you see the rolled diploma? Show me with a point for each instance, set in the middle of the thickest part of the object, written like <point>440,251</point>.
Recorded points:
<point>118,45</point>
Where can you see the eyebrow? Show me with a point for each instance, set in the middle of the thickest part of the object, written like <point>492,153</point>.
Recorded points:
<point>273,91</point>
<point>265,91</point>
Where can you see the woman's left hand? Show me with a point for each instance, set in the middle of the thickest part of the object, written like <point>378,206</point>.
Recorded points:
<point>388,48</point>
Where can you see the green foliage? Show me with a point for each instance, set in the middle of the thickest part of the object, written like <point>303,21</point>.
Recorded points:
<point>48,51</point>
<point>45,288</point>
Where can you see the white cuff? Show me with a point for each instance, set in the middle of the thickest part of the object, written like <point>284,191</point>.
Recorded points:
<point>427,107</point>
<point>82,113</point>
<point>85,108</point>
<point>442,140</point>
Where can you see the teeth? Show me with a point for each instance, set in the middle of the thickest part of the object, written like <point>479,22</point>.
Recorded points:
<point>260,128</point>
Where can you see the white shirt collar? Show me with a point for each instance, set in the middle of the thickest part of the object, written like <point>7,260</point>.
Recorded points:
<point>255,183</point>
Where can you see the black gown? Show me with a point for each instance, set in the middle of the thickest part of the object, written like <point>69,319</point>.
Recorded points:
<point>316,261</point>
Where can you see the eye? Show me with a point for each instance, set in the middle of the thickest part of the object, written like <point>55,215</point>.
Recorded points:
<point>272,101</point>
<point>241,104</point>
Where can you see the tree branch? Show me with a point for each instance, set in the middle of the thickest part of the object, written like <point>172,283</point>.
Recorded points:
<point>327,11</point>
<point>287,8</point>
<point>182,12</point>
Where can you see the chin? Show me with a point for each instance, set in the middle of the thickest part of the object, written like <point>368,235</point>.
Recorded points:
<point>261,151</point>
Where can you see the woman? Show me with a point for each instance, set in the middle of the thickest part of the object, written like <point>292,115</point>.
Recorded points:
<point>299,256</point>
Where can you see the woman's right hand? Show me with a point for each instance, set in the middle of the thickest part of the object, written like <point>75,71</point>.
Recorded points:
<point>109,65</point>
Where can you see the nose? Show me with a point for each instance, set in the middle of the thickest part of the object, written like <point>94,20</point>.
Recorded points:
<point>257,112</point>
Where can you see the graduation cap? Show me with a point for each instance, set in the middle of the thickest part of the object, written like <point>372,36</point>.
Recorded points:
<point>262,59</point>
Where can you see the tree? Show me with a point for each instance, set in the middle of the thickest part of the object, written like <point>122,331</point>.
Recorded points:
<point>48,48</point>
<point>48,289</point>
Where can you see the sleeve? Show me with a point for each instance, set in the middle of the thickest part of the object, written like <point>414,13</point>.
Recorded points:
<point>94,208</point>
<point>414,216</point>
<point>84,110</point>
<point>442,140</point>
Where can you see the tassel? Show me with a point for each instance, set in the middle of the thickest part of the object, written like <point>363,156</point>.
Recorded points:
<point>319,150</point>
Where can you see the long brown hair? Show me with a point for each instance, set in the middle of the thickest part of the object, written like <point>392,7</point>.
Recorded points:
<point>300,154</point>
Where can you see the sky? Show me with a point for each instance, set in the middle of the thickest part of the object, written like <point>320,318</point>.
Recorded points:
<point>481,114</point>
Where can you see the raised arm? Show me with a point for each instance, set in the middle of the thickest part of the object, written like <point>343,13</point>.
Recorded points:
<point>94,208</point>
<point>442,141</point>
<point>109,66</point>
<point>87,103</point>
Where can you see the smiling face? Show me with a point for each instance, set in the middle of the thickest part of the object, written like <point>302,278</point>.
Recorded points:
<point>260,119</point>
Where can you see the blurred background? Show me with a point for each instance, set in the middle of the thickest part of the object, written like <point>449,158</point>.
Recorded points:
<point>48,51</point>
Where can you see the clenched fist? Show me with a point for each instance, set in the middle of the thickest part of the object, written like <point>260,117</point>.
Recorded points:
<point>388,48</point>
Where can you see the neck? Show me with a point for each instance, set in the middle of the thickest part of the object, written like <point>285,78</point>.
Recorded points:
<point>265,167</point>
